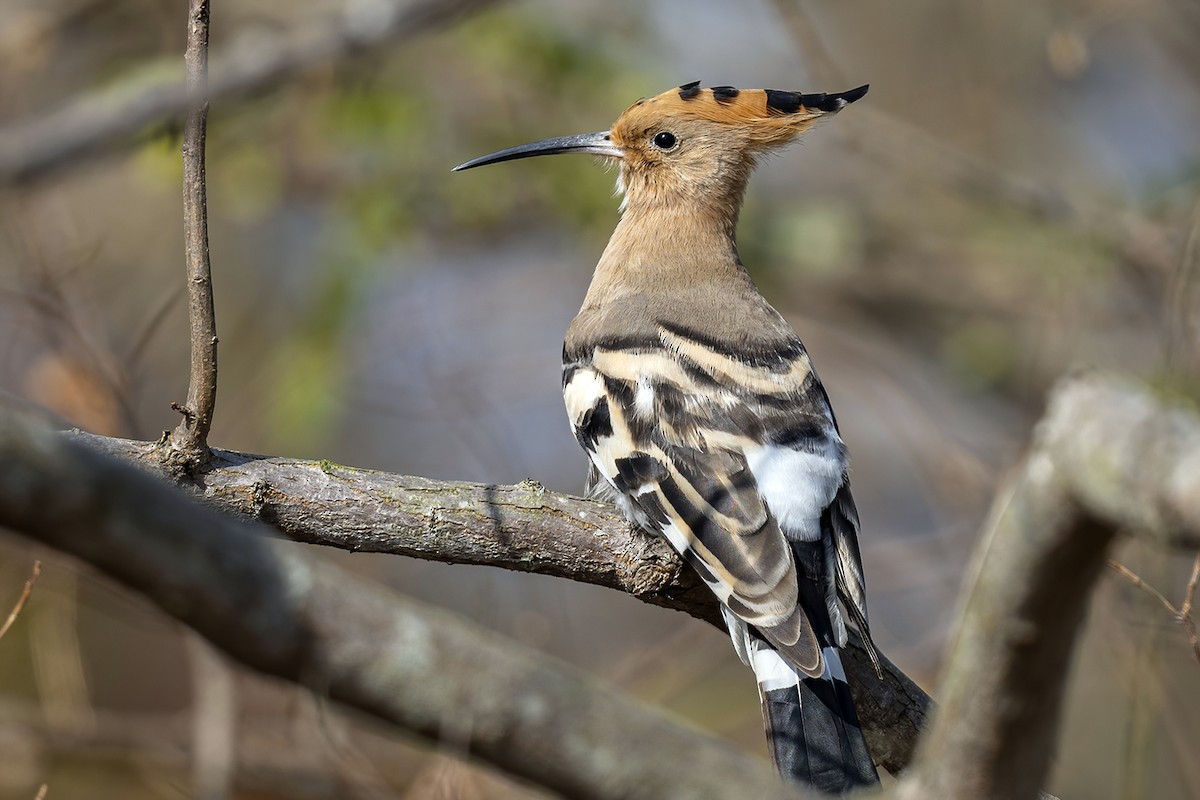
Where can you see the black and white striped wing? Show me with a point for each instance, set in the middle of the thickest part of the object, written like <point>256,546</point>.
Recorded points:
<point>730,460</point>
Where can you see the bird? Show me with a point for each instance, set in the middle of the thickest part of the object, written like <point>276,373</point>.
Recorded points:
<point>702,415</point>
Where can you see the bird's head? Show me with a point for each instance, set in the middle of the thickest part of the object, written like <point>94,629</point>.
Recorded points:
<point>691,142</point>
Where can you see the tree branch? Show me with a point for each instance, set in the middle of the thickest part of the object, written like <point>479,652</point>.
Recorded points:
<point>1127,458</point>
<point>95,123</point>
<point>269,605</point>
<point>191,437</point>
<point>1002,686</point>
<point>1106,456</point>
<point>522,527</point>
<point>22,598</point>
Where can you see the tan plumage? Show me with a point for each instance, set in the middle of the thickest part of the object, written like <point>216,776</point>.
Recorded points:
<point>702,415</point>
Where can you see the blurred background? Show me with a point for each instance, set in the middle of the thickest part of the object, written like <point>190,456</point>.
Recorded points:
<point>1017,195</point>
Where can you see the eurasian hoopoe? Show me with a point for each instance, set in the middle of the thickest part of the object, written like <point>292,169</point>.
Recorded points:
<point>703,418</point>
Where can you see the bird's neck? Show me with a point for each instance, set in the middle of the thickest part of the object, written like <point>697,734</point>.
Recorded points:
<point>662,243</point>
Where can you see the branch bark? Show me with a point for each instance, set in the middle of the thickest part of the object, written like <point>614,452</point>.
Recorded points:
<point>1003,683</point>
<point>95,123</point>
<point>523,528</point>
<point>191,437</point>
<point>1106,457</point>
<point>269,605</point>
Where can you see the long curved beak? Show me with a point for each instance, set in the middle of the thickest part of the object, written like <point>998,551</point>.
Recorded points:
<point>597,144</point>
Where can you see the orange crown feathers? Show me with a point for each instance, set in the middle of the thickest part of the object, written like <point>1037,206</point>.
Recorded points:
<point>766,115</point>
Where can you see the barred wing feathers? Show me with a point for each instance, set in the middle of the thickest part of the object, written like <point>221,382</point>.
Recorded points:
<point>731,459</point>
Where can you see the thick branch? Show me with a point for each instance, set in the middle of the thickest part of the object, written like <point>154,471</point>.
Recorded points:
<point>95,123</point>
<point>191,437</point>
<point>1127,457</point>
<point>1107,455</point>
<point>1095,425</point>
<point>522,527</point>
<point>1002,685</point>
<point>1102,439</point>
<point>270,606</point>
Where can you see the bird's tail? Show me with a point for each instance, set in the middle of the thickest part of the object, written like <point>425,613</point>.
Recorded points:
<point>812,727</point>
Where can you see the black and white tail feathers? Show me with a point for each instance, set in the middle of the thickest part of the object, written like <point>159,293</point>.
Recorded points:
<point>812,728</point>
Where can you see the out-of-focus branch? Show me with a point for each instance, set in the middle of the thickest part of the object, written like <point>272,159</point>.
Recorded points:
<point>1127,457</point>
<point>191,437</point>
<point>1107,456</point>
<point>24,596</point>
<point>522,527</point>
<point>301,770</point>
<point>274,608</point>
<point>1001,689</point>
<point>98,122</point>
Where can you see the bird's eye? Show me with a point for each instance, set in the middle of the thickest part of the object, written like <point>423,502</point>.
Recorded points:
<point>664,140</point>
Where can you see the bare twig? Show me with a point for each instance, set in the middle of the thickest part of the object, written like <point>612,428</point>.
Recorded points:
<point>16,611</point>
<point>1185,609</point>
<point>191,437</point>
<point>1182,614</point>
<point>1135,579</point>
<point>1189,594</point>
<point>278,610</point>
<point>96,123</point>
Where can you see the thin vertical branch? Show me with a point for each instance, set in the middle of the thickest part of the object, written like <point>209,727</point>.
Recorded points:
<point>192,434</point>
<point>16,612</point>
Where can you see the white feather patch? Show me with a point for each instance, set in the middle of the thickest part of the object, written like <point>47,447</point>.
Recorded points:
<point>643,399</point>
<point>581,393</point>
<point>771,670</point>
<point>797,485</point>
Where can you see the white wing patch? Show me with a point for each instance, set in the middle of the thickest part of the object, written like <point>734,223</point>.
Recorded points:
<point>581,393</point>
<point>643,400</point>
<point>797,485</point>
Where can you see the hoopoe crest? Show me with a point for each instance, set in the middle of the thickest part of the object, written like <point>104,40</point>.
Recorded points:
<point>703,418</point>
